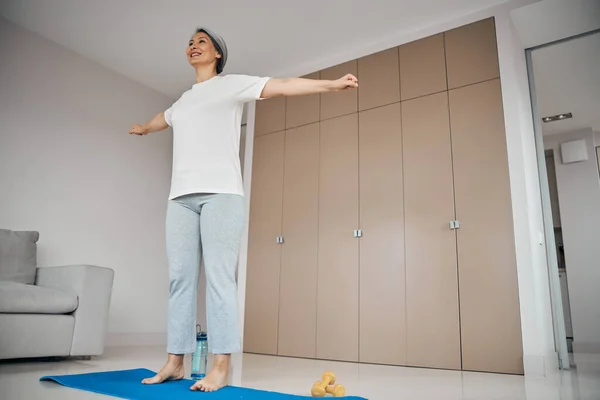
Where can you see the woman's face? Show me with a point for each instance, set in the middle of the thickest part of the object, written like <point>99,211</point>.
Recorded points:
<point>201,51</point>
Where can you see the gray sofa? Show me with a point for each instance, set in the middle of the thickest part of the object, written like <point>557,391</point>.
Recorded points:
<point>52,311</point>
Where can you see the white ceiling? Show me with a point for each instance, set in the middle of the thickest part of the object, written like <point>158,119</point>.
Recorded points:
<point>567,79</point>
<point>145,39</point>
<point>551,20</point>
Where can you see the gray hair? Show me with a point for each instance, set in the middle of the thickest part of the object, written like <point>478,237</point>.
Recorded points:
<point>220,46</point>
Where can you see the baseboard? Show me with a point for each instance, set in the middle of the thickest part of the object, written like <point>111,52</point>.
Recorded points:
<point>540,365</point>
<point>135,339</point>
<point>586,347</point>
<point>551,362</point>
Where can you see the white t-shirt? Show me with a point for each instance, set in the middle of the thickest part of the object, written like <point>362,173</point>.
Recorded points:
<point>206,123</point>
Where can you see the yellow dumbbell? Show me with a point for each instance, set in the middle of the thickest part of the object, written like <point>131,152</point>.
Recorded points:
<point>319,389</point>
<point>336,391</point>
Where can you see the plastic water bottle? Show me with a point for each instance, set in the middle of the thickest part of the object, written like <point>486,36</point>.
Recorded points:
<point>200,356</point>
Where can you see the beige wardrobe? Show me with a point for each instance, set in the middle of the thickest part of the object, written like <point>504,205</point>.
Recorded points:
<point>380,222</point>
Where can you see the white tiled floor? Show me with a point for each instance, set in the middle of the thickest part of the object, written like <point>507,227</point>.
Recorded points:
<point>19,380</point>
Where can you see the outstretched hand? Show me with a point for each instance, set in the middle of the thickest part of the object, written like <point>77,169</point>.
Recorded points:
<point>346,82</point>
<point>139,130</point>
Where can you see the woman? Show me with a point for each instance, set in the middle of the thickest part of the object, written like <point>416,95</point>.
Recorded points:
<point>206,210</point>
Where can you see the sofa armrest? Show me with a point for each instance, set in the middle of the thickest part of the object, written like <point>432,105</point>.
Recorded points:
<point>93,287</point>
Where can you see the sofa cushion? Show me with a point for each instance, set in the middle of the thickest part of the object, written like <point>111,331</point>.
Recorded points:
<point>18,255</point>
<point>19,298</point>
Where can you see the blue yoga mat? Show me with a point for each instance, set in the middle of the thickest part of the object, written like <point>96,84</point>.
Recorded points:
<point>126,384</point>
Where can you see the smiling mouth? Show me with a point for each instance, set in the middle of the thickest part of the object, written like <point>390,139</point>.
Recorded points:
<point>195,54</point>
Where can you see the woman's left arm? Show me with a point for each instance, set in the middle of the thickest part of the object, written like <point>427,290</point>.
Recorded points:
<point>301,86</point>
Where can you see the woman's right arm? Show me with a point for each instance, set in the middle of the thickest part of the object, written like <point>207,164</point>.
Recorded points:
<point>156,124</point>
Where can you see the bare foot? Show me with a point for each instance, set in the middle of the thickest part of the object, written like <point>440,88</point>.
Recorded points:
<point>172,371</point>
<point>218,376</point>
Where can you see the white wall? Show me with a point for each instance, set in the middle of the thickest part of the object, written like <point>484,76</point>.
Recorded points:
<point>532,265</point>
<point>579,198</point>
<point>567,80</point>
<point>69,169</point>
<point>550,20</point>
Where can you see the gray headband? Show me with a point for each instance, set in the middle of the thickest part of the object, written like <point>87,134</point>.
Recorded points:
<point>219,44</point>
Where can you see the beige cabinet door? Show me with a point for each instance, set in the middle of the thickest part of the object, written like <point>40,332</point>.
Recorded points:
<point>433,326</point>
<point>298,298</point>
<point>378,79</point>
<point>336,104</point>
<point>472,54</point>
<point>337,293</point>
<point>269,116</point>
<point>489,298</point>
<point>382,285</point>
<point>264,252</point>
<point>423,67</point>
<point>302,110</point>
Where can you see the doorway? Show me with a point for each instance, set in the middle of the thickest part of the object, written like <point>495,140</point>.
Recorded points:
<point>565,93</point>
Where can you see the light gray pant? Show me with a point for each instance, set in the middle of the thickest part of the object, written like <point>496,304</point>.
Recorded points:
<point>209,227</point>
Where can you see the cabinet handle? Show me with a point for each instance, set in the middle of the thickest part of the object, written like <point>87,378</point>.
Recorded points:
<point>454,225</point>
<point>279,240</point>
<point>358,233</point>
